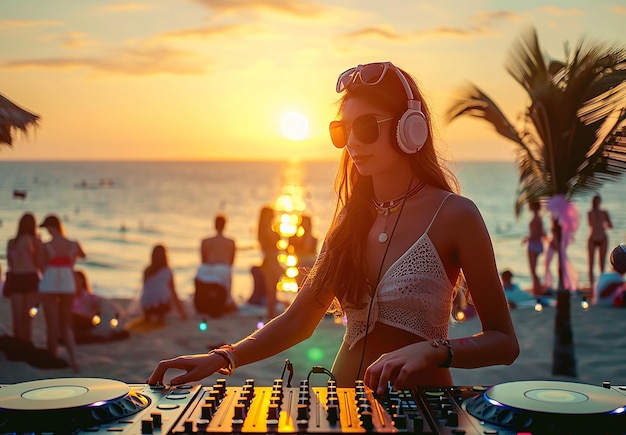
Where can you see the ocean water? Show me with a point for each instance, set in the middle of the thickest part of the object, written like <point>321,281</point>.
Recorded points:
<point>120,210</point>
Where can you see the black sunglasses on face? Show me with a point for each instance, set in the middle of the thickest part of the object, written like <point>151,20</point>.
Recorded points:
<point>366,128</point>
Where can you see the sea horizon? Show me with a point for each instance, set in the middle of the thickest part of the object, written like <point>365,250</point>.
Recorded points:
<point>173,202</point>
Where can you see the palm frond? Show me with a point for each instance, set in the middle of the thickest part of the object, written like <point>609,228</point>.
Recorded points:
<point>13,117</point>
<point>572,138</point>
<point>474,102</point>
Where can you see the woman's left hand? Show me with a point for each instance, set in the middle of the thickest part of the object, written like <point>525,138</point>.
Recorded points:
<point>398,367</point>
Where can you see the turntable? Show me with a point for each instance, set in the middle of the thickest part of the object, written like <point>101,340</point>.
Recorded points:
<point>68,405</point>
<point>552,407</point>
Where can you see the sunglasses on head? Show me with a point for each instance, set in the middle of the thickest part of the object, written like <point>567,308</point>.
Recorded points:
<point>366,128</point>
<point>371,74</point>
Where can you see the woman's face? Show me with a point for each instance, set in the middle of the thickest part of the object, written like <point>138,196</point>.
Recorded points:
<point>379,155</point>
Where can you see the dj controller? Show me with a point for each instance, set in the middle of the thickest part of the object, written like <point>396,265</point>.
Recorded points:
<point>92,406</point>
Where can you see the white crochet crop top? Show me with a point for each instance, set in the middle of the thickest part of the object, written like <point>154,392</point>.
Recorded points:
<point>414,295</point>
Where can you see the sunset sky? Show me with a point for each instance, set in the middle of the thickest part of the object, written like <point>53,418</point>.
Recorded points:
<point>211,79</point>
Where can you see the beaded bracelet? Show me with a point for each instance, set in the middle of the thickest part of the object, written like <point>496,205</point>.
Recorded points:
<point>448,362</point>
<point>228,353</point>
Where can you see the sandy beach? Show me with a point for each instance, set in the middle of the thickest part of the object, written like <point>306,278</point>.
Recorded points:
<point>599,339</point>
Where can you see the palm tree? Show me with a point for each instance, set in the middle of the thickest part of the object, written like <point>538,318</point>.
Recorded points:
<point>570,140</point>
<point>13,117</point>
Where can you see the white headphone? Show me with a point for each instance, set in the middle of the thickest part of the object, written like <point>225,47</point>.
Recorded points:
<point>412,129</point>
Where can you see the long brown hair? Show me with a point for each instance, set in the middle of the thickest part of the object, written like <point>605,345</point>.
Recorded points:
<point>27,226</point>
<point>159,261</point>
<point>342,265</point>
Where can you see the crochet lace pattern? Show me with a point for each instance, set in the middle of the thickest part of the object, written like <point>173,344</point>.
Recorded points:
<point>414,295</point>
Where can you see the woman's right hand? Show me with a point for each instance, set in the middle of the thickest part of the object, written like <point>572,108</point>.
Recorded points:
<point>196,367</point>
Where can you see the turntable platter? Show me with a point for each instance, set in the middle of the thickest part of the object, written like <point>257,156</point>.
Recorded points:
<point>556,397</point>
<point>65,405</point>
<point>60,393</point>
<point>547,407</point>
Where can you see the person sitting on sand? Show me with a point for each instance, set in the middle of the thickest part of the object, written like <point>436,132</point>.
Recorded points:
<point>398,244</point>
<point>158,292</point>
<point>86,304</point>
<point>217,254</point>
<point>86,315</point>
<point>609,285</point>
<point>515,296</point>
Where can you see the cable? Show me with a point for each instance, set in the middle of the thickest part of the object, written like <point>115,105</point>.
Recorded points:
<point>288,366</point>
<point>380,269</point>
<point>320,369</point>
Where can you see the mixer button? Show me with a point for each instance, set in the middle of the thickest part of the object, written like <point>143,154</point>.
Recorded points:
<point>157,419</point>
<point>207,412</point>
<point>399,420</point>
<point>452,419</point>
<point>303,412</point>
<point>147,426</point>
<point>240,411</point>
<point>418,424</point>
<point>202,423</point>
<point>333,414</point>
<point>273,412</point>
<point>367,421</point>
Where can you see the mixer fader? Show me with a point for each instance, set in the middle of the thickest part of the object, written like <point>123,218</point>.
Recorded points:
<point>282,409</point>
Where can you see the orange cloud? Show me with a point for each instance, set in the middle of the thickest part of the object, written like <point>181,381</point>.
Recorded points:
<point>24,24</point>
<point>294,8</point>
<point>130,61</point>
<point>210,31</point>
<point>71,39</point>
<point>127,7</point>
<point>553,10</point>
<point>377,32</point>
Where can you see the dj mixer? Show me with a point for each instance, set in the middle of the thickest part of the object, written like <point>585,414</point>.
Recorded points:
<point>92,406</point>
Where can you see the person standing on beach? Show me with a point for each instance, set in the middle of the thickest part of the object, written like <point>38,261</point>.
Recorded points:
<point>58,287</point>
<point>305,247</point>
<point>534,241</point>
<point>158,292</point>
<point>217,254</point>
<point>399,242</point>
<point>270,268</point>
<point>24,258</point>
<point>599,220</point>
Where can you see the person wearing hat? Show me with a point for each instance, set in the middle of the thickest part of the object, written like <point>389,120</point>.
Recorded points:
<point>58,286</point>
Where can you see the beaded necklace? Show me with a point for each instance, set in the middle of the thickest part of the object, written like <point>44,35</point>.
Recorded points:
<point>387,207</point>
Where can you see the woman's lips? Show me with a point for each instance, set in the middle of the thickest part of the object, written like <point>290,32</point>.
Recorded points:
<point>359,159</point>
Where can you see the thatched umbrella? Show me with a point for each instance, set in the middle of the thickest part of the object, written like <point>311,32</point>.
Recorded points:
<point>12,116</point>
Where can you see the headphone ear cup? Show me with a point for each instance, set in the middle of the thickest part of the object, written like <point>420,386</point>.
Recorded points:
<point>412,131</point>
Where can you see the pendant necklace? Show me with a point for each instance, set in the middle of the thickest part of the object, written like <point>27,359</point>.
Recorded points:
<point>387,207</point>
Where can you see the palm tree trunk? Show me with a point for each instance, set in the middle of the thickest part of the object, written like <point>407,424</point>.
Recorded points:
<point>563,359</point>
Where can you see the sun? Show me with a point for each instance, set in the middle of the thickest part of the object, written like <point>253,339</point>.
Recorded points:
<point>294,125</point>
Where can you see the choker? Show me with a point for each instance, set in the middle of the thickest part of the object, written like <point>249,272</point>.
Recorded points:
<point>387,207</point>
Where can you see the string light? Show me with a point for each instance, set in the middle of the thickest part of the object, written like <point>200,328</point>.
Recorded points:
<point>32,312</point>
<point>538,305</point>
<point>584,304</point>
<point>96,319</point>
<point>260,324</point>
<point>460,316</point>
<point>203,326</point>
<point>115,321</point>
